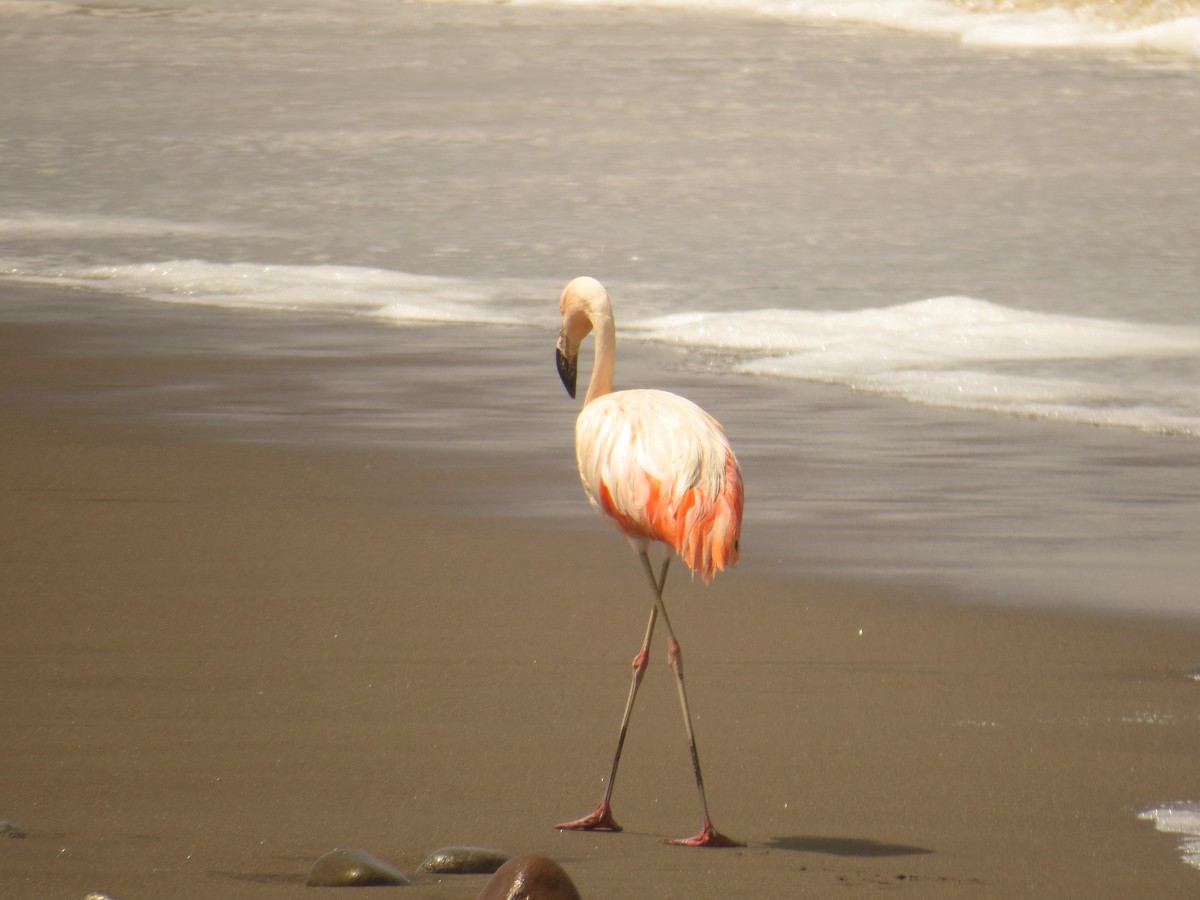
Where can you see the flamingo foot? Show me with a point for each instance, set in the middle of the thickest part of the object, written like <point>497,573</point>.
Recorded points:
<point>708,837</point>
<point>599,819</point>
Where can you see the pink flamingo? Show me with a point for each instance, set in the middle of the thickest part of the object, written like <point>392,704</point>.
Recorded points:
<point>660,469</point>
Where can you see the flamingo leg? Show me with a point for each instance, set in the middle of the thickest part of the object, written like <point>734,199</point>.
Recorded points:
<point>707,836</point>
<point>601,818</point>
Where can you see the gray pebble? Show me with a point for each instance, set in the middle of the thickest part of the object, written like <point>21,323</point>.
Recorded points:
<point>99,895</point>
<point>353,868</point>
<point>464,861</point>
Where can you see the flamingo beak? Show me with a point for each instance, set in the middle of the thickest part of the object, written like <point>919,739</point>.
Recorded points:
<point>567,365</point>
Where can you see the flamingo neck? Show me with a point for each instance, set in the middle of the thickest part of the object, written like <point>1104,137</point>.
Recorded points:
<point>601,382</point>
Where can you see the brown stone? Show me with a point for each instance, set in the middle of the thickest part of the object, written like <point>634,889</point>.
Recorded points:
<point>530,877</point>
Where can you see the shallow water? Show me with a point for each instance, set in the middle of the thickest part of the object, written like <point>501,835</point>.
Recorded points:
<point>971,237</point>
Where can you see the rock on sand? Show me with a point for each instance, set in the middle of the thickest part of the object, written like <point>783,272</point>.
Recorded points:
<point>464,861</point>
<point>530,877</point>
<point>353,868</point>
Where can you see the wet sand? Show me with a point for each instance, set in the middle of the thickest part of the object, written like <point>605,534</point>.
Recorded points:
<point>222,658</point>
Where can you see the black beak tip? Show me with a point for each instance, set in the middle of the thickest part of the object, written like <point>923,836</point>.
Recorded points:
<point>567,371</point>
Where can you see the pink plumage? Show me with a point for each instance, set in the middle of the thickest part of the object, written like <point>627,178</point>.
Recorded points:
<point>660,468</point>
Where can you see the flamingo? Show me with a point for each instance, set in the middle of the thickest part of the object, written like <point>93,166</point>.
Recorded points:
<point>659,468</point>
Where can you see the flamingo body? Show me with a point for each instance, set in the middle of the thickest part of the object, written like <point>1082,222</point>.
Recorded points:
<point>659,467</point>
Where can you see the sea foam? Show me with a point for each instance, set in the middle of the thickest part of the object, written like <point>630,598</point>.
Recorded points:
<point>1121,25</point>
<point>328,289</point>
<point>1163,26</point>
<point>968,353</point>
<point>1181,818</point>
<point>955,352</point>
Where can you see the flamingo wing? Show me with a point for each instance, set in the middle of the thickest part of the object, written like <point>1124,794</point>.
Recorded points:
<point>660,468</point>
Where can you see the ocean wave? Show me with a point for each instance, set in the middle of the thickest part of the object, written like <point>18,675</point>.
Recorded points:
<point>327,289</point>
<point>967,353</point>
<point>1126,26</point>
<point>1164,26</point>
<point>16,226</point>
<point>957,352</point>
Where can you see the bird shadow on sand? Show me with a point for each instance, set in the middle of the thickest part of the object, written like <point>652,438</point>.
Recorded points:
<point>843,846</point>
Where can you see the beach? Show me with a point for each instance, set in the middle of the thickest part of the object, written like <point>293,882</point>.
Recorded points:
<point>225,655</point>
<point>293,550</point>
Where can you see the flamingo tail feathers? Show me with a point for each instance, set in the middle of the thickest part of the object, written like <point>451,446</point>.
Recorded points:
<point>705,530</point>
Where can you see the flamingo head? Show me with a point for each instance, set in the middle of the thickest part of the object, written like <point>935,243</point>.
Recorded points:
<point>582,301</point>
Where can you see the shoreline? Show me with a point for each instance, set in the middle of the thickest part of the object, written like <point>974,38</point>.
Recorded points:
<point>226,658</point>
<point>867,490</point>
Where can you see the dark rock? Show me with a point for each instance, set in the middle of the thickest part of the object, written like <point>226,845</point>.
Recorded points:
<point>11,830</point>
<point>464,861</point>
<point>530,877</point>
<point>353,868</point>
